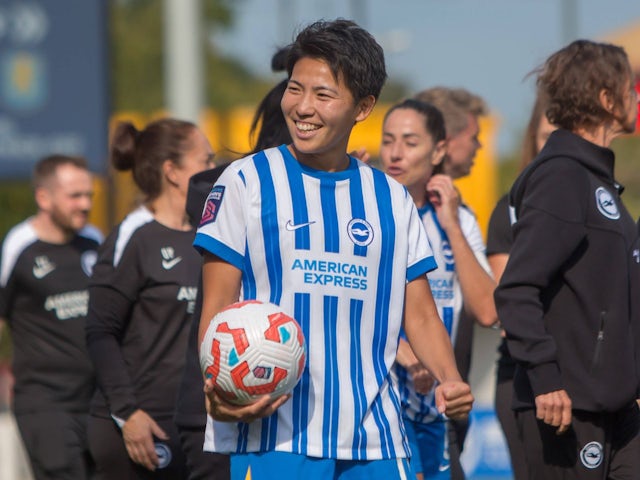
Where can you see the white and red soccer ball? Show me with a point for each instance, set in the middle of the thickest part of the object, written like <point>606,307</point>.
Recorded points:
<point>251,349</point>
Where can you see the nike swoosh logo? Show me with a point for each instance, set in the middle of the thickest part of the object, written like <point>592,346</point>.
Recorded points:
<point>41,272</point>
<point>291,227</point>
<point>169,264</point>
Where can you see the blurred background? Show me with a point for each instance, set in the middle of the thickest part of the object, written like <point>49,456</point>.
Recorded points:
<point>70,68</point>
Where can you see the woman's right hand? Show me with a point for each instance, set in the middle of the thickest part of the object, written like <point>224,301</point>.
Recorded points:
<point>138,432</point>
<point>223,411</point>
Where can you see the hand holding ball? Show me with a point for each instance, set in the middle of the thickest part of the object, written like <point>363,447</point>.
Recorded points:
<point>251,349</point>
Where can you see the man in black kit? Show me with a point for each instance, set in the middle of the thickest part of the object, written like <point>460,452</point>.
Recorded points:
<point>44,274</point>
<point>569,298</point>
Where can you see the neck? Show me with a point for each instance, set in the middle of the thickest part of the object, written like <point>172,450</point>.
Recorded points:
<point>169,209</point>
<point>419,195</point>
<point>325,162</point>
<point>601,136</point>
<point>49,231</point>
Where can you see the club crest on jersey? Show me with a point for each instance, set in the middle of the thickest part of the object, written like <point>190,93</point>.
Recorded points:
<point>360,232</point>
<point>87,261</point>
<point>591,455</point>
<point>212,205</point>
<point>606,204</point>
<point>164,454</point>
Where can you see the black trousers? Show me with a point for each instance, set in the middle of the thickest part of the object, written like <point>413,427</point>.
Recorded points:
<point>507,419</point>
<point>56,443</point>
<point>113,462</point>
<point>202,465</point>
<point>597,446</point>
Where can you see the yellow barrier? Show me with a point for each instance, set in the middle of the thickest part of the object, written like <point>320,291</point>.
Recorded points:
<point>228,133</point>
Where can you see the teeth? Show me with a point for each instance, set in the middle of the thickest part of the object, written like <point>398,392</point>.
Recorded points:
<point>306,127</point>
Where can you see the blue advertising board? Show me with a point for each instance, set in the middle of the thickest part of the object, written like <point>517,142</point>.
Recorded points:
<point>485,455</point>
<point>53,82</point>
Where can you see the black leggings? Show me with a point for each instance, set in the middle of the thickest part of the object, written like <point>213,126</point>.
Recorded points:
<point>56,443</point>
<point>202,465</point>
<point>113,462</point>
<point>507,418</point>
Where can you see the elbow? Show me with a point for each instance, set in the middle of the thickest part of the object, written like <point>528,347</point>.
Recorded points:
<point>488,320</point>
<point>487,315</point>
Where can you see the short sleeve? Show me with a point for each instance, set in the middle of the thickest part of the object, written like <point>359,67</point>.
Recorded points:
<point>223,227</point>
<point>420,260</point>
<point>499,236</point>
<point>125,275</point>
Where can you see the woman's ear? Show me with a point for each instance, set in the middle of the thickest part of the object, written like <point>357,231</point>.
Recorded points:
<point>364,107</point>
<point>169,172</point>
<point>439,152</point>
<point>606,100</point>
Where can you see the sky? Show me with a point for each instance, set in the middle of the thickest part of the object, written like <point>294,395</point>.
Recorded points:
<point>485,46</point>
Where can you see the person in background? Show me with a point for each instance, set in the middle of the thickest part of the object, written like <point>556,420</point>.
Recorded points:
<point>499,239</point>
<point>44,278</point>
<point>142,295</point>
<point>311,201</point>
<point>569,297</point>
<point>461,110</point>
<point>412,151</point>
<point>270,130</point>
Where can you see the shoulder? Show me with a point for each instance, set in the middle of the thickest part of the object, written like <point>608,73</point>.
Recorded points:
<point>130,226</point>
<point>91,232</point>
<point>16,241</point>
<point>558,187</point>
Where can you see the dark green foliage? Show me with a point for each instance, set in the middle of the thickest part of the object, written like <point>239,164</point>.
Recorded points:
<point>16,204</point>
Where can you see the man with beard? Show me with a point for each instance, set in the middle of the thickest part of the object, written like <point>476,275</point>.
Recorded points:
<point>44,274</point>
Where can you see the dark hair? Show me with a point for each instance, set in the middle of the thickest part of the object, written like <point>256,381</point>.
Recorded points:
<point>351,52</point>
<point>573,77</point>
<point>269,120</point>
<point>145,151</point>
<point>47,167</point>
<point>279,59</point>
<point>434,120</point>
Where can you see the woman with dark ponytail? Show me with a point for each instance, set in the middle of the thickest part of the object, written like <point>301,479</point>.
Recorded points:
<point>141,298</point>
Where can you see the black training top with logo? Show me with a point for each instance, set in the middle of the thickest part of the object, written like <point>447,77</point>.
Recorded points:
<point>190,406</point>
<point>44,296</point>
<point>569,298</point>
<point>499,240</point>
<point>142,296</point>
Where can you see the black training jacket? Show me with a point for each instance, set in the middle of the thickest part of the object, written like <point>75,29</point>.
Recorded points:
<point>569,296</point>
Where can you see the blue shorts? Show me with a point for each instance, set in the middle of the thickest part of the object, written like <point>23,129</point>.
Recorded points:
<point>279,465</point>
<point>429,453</point>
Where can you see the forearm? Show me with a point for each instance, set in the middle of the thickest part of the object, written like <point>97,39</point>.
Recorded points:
<point>426,333</point>
<point>405,356</point>
<point>529,343</point>
<point>105,324</point>
<point>476,284</point>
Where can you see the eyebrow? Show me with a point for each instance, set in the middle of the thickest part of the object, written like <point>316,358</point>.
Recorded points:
<point>404,135</point>
<point>315,89</point>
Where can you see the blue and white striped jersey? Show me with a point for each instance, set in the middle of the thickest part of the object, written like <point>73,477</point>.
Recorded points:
<point>335,250</point>
<point>447,293</point>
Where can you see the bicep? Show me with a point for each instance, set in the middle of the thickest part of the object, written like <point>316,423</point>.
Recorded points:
<point>420,307</point>
<point>498,262</point>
